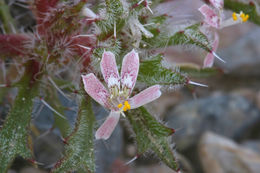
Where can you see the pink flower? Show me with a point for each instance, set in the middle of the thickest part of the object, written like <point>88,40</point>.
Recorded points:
<point>215,17</point>
<point>219,4</point>
<point>120,88</point>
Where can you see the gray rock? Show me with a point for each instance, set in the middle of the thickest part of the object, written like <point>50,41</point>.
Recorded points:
<point>222,155</point>
<point>243,56</point>
<point>229,115</point>
<point>48,149</point>
<point>253,145</point>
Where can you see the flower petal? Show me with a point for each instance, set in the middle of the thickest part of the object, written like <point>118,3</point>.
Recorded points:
<point>130,68</point>
<point>211,18</point>
<point>106,129</point>
<point>146,96</point>
<point>95,89</point>
<point>109,69</point>
<point>209,60</point>
<point>219,4</point>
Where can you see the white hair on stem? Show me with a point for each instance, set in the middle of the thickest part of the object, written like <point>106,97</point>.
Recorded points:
<point>51,108</point>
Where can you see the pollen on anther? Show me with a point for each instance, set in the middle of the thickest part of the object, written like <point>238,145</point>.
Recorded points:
<point>234,15</point>
<point>244,17</point>
<point>119,105</point>
<point>127,105</point>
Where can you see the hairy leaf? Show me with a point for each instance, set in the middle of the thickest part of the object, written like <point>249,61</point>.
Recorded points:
<point>14,133</point>
<point>152,72</point>
<point>195,71</point>
<point>114,13</point>
<point>248,8</point>
<point>191,35</point>
<point>152,135</point>
<point>79,154</point>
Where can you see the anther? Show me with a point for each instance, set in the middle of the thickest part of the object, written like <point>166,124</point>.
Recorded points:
<point>234,16</point>
<point>119,105</point>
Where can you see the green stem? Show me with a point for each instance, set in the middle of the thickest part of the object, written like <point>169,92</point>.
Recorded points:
<point>6,17</point>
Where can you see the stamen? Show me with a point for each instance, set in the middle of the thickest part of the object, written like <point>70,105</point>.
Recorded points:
<point>127,105</point>
<point>244,17</point>
<point>241,16</point>
<point>234,16</point>
<point>119,105</point>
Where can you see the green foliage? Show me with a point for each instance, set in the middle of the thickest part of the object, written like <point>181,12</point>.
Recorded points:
<point>191,35</point>
<point>152,72</point>
<point>195,71</point>
<point>152,135</point>
<point>114,13</point>
<point>79,154</point>
<point>14,133</point>
<point>158,22</point>
<point>247,8</point>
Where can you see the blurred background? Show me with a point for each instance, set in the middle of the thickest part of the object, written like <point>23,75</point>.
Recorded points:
<point>217,127</point>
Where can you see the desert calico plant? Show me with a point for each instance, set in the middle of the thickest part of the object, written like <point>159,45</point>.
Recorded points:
<point>120,87</point>
<point>75,50</point>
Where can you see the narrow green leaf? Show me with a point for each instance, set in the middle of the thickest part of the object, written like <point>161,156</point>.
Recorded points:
<point>191,35</point>
<point>195,71</point>
<point>152,72</point>
<point>152,135</point>
<point>79,153</point>
<point>248,8</point>
<point>14,133</point>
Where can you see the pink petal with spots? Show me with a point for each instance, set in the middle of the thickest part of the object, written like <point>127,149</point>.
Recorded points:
<point>211,18</point>
<point>130,68</point>
<point>106,129</point>
<point>219,4</point>
<point>209,60</point>
<point>109,69</point>
<point>95,89</point>
<point>146,96</point>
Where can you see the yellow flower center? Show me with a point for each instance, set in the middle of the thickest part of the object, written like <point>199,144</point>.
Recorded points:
<point>244,17</point>
<point>126,106</point>
<point>234,15</point>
